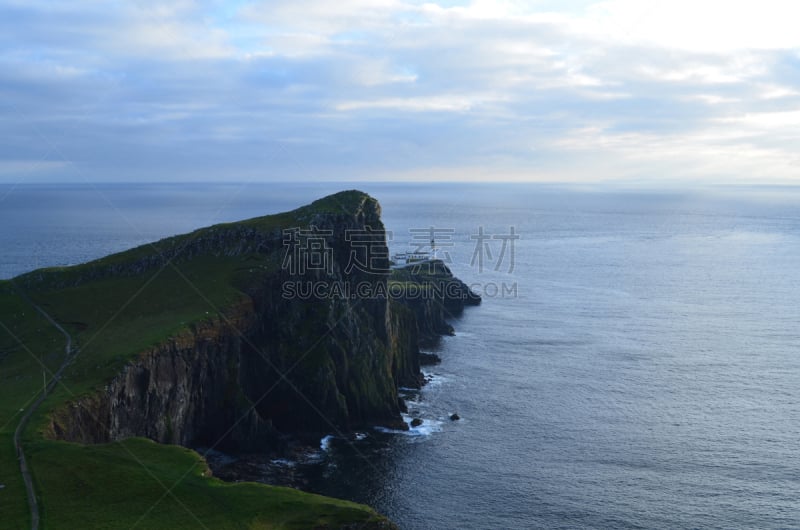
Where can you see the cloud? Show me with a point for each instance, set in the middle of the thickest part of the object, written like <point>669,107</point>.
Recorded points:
<point>709,26</point>
<point>580,90</point>
<point>447,103</point>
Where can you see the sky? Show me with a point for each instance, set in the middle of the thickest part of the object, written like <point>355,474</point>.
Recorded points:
<point>638,91</point>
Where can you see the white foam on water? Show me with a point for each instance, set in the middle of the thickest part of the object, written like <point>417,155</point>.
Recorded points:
<point>325,443</point>
<point>434,379</point>
<point>427,428</point>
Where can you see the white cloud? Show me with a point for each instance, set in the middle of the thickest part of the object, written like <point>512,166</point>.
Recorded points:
<point>705,25</point>
<point>772,91</point>
<point>778,122</point>
<point>370,72</point>
<point>175,30</point>
<point>701,74</point>
<point>423,104</point>
<point>729,150</point>
<point>712,99</point>
<point>603,89</point>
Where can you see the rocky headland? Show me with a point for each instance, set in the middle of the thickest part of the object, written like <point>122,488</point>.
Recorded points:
<point>269,367</point>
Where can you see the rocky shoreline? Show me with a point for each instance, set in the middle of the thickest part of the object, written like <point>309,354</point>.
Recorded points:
<point>285,467</point>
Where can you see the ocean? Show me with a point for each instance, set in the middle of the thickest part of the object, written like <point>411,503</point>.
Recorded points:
<point>635,362</point>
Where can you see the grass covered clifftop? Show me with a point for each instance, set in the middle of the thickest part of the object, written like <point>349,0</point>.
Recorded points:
<point>257,235</point>
<point>187,339</point>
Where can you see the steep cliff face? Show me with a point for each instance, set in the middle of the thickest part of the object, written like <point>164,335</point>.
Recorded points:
<point>434,296</point>
<point>405,339</point>
<point>272,364</point>
<point>186,390</point>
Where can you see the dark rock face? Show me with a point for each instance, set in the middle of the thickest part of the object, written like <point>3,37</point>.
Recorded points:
<point>444,296</point>
<point>275,364</point>
<point>429,359</point>
<point>401,404</point>
<point>183,391</point>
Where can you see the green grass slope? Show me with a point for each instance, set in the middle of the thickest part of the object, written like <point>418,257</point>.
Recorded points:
<point>135,483</point>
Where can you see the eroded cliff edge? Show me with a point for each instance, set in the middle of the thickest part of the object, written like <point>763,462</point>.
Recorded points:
<point>269,364</point>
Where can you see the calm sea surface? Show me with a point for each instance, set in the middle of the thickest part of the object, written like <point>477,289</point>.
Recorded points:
<point>645,372</point>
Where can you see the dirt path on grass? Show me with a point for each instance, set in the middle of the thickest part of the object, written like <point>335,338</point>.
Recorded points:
<point>33,504</point>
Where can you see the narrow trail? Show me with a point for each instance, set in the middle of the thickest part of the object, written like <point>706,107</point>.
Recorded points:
<point>33,504</point>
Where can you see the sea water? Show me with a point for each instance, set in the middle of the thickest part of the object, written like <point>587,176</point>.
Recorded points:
<point>635,361</point>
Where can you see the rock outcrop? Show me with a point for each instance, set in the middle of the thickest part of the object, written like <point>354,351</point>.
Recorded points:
<point>434,295</point>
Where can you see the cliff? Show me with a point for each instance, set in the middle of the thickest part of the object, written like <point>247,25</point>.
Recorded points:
<point>434,295</point>
<point>281,356</point>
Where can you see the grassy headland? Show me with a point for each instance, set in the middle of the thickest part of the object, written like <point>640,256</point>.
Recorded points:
<point>116,308</point>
